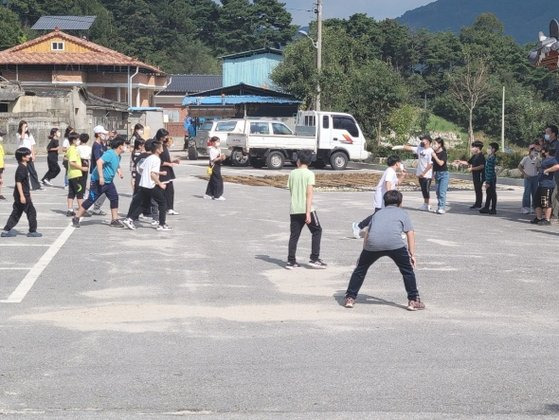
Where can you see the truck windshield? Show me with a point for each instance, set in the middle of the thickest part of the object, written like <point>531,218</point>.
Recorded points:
<point>207,126</point>
<point>281,129</point>
<point>341,122</point>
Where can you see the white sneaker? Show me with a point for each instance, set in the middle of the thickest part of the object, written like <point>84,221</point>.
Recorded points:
<point>154,223</point>
<point>129,223</point>
<point>441,211</point>
<point>207,197</point>
<point>47,182</point>
<point>145,218</point>
<point>164,227</point>
<point>172,212</point>
<point>356,230</point>
<point>525,210</point>
<point>425,207</point>
<point>222,198</point>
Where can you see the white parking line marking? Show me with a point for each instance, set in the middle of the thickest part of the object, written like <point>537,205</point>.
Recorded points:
<point>444,243</point>
<point>29,280</point>
<point>14,268</point>
<point>25,245</point>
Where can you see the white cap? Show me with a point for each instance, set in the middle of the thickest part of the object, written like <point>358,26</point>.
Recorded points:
<point>99,129</point>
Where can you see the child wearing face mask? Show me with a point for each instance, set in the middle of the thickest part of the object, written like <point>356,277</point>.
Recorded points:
<point>389,181</point>
<point>2,134</point>
<point>441,175</point>
<point>529,166</point>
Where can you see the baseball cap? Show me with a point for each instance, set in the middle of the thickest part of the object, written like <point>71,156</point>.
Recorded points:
<point>99,129</point>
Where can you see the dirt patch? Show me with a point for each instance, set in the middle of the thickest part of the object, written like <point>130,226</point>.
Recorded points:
<point>348,181</point>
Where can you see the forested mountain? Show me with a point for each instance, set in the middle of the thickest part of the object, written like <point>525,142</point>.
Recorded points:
<point>182,36</point>
<point>523,19</point>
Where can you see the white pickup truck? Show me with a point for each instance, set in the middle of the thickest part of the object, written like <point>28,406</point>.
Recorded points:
<point>333,137</point>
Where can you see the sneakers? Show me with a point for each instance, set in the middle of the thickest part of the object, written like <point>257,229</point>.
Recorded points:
<point>474,207</point>
<point>76,222</point>
<point>208,197</point>
<point>129,223</point>
<point>441,211</point>
<point>47,182</point>
<point>484,211</point>
<point>7,234</point>
<point>291,265</point>
<point>116,223</point>
<point>415,305</point>
<point>222,198</point>
<point>163,227</point>
<point>545,222</point>
<point>356,230</point>
<point>535,221</point>
<point>172,212</point>
<point>145,218</point>
<point>349,302</point>
<point>492,211</point>
<point>98,212</point>
<point>318,264</point>
<point>525,210</point>
<point>34,235</point>
<point>154,222</point>
<point>70,213</point>
<point>425,207</point>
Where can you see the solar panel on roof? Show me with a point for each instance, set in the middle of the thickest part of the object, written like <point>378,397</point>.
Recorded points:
<point>68,23</point>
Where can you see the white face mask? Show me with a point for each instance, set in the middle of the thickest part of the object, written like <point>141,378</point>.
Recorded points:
<point>1,139</point>
<point>140,132</point>
<point>547,137</point>
<point>217,144</point>
<point>78,142</point>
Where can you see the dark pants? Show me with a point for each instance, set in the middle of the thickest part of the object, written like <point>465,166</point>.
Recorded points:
<point>54,167</point>
<point>478,187</point>
<point>297,224</point>
<point>143,198</point>
<point>33,177</point>
<point>170,195</point>
<point>96,191</point>
<point>18,209</point>
<point>367,258</point>
<point>215,184</point>
<point>83,181</point>
<point>366,221</point>
<point>425,184</point>
<point>491,196</point>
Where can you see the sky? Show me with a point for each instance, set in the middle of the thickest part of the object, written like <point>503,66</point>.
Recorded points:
<point>301,10</point>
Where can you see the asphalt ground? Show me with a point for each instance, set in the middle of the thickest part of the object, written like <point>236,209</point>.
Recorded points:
<point>205,322</point>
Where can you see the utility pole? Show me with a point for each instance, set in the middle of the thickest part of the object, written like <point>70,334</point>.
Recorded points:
<point>318,50</point>
<point>503,123</point>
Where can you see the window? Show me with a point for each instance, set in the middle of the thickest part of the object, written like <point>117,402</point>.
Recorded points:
<point>310,121</point>
<point>342,122</point>
<point>326,121</point>
<point>3,107</point>
<point>281,129</point>
<point>172,115</point>
<point>207,126</point>
<point>259,128</point>
<point>57,46</point>
<point>226,126</point>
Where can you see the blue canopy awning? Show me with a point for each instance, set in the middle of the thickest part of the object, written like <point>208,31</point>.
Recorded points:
<point>219,100</point>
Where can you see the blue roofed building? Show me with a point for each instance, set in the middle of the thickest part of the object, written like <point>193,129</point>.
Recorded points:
<point>251,67</point>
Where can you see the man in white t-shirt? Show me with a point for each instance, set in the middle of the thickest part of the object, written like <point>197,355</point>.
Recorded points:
<point>150,187</point>
<point>389,181</point>
<point>424,169</point>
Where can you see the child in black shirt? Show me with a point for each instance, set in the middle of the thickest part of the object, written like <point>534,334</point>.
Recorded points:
<point>52,157</point>
<point>476,165</point>
<point>22,198</point>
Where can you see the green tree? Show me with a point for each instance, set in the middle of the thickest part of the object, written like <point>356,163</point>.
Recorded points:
<point>235,27</point>
<point>272,23</point>
<point>11,32</point>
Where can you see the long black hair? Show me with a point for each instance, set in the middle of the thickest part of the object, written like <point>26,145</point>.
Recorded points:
<point>440,141</point>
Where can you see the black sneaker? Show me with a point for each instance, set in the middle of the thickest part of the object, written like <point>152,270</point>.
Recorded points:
<point>70,213</point>
<point>484,211</point>
<point>291,265</point>
<point>535,221</point>
<point>116,223</point>
<point>76,222</point>
<point>545,222</point>
<point>34,235</point>
<point>492,211</point>
<point>318,264</point>
<point>474,207</point>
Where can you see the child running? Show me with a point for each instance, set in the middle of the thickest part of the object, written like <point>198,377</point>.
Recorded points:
<point>52,157</point>
<point>300,184</point>
<point>384,239</point>
<point>150,187</point>
<point>75,168</point>
<point>22,197</point>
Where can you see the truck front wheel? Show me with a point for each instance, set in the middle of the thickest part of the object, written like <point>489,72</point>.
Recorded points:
<point>275,160</point>
<point>338,161</point>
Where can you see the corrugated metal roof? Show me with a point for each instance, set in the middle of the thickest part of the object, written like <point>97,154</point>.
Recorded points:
<point>192,83</point>
<point>144,108</point>
<point>237,100</point>
<point>252,52</point>
<point>242,89</point>
<point>69,23</point>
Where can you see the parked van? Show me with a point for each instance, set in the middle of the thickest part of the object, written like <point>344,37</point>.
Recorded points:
<point>334,138</point>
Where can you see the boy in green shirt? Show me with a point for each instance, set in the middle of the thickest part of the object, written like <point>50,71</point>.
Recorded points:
<point>300,184</point>
<point>74,174</point>
<point>2,134</point>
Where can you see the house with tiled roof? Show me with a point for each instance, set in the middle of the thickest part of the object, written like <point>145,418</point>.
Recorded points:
<point>58,59</point>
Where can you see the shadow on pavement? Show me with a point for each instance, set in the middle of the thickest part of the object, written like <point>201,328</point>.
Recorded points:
<point>339,296</point>
<point>271,260</point>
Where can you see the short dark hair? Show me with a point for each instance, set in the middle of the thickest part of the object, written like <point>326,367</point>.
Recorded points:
<point>84,137</point>
<point>118,141</point>
<point>73,136</point>
<point>426,137</point>
<point>478,144</point>
<point>305,157</point>
<point>393,160</point>
<point>21,153</point>
<point>68,130</point>
<point>553,128</point>
<point>161,133</point>
<point>392,198</point>
<point>154,146</point>
<point>494,146</point>
<point>139,142</point>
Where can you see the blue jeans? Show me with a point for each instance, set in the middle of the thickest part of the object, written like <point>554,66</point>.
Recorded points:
<point>530,188</point>
<point>442,178</point>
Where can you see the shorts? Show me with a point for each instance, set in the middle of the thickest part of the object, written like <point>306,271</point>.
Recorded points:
<point>75,188</point>
<point>543,197</point>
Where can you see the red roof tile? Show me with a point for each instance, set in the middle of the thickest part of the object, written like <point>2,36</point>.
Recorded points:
<point>98,55</point>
